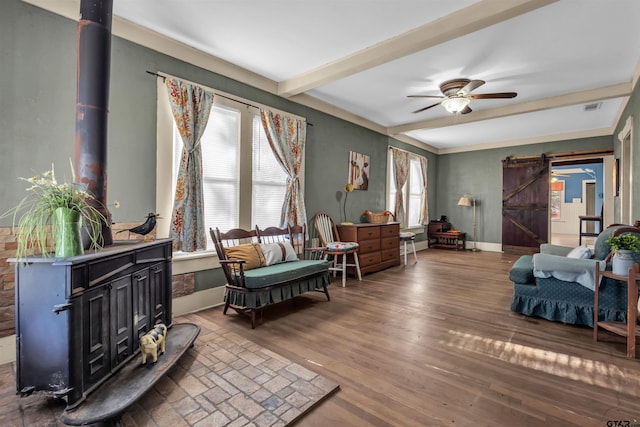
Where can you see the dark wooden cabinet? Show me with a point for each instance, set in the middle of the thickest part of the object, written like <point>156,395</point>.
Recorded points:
<point>78,320</point>
<point>438,227</point>
<point>379,245</point>
<point>439,235</point>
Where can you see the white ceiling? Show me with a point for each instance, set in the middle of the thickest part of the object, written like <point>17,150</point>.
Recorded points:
<point>359,59</point>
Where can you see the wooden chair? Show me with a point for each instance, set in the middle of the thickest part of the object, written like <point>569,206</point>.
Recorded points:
<point>330,240</point>
<point>595,219</point>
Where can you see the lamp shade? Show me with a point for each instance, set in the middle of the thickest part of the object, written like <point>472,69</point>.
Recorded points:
<point>455,104</point>
<point>464,201</point>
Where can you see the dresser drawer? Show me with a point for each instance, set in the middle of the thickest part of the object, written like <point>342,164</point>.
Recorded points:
<point>390,254</point>
<point>390,243</point>
<point>369,259</point>
<point>367,246</point>
<point>389,230</point>
<point>368,233</point>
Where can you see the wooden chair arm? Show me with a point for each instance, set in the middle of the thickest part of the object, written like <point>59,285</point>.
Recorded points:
<point>234,278</point>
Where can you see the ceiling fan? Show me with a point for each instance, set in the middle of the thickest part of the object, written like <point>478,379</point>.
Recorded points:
<point>456,95</point>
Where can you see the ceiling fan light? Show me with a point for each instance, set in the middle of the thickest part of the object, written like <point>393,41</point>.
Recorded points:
<point>455,104</point>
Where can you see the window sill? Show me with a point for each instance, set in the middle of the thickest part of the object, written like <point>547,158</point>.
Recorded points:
<point>417,230</point>
<point>187,262</point>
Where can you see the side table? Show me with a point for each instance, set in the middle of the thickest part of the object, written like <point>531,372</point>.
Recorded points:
<point>448,239</point>
<point>630,329</point>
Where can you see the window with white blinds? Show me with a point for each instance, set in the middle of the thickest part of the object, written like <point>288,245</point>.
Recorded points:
<point>222,176</point>
<point>268,181</point>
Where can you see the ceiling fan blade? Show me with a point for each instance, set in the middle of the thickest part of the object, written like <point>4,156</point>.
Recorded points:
<point>424,96</point>
<point>472,85</point>
<point>466,110</point>
<point>426,108</point>
<point>494,95</point>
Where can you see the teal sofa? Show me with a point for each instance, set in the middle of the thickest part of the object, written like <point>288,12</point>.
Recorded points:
<point>552,286</point>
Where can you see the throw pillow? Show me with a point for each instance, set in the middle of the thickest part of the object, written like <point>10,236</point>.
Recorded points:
<point>250,252</point>
<point>580,252</point>
<point>275,253</point>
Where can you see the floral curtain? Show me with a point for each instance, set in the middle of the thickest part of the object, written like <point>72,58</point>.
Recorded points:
<point>424,203</point>
<point>287,136</point>
<point>401,172</point>
<point>190,106</point>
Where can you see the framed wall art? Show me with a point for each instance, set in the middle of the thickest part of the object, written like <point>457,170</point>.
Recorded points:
<point>358,170</point>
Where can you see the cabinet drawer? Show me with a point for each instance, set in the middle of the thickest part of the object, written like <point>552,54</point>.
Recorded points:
<point>390,254</point>
<point>153,253</point>
<point>389,230</point>
<point>108,267</point>
<point>367,246</point>
<point>369,259</point>
<point>368,233</point>
<point>390,243</point>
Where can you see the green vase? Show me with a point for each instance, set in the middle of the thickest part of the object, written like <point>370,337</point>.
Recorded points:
<point>68,238</point>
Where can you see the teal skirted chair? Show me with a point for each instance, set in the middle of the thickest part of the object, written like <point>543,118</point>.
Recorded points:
<point>554,286</point>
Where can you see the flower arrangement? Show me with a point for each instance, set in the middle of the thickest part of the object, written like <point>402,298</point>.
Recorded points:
<point>625,241</point>
<point>347,189</point>
<point>37,213</point>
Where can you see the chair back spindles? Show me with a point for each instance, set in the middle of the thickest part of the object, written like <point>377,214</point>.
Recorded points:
<point>325,226</point>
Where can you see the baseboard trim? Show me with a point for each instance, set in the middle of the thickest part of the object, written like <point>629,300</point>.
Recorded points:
<point>198,301</point>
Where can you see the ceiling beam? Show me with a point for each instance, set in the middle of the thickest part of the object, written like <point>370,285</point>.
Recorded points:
<point>606,92</point>
<point>462,22</point>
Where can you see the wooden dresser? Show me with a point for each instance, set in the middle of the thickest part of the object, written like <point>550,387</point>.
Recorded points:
<point>379,244</point>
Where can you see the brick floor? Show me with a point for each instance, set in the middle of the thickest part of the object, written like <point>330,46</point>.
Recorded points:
<point>224,380</point>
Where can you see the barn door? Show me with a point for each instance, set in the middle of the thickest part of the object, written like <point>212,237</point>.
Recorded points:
<point>525,204</point>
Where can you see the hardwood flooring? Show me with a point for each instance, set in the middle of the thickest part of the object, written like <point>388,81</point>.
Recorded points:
<point>434,343</point>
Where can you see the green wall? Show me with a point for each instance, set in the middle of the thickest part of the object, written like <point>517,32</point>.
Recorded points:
<point>38,81</point>
<point>631,110</point>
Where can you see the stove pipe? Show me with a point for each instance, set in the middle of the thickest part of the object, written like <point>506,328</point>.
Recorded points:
<point>92,102</point>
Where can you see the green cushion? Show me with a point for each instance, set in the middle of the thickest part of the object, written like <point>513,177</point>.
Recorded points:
<point>282,273</point>
<point>522,270</point>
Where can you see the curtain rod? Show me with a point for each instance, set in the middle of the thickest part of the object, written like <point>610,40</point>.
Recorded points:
<point>222,95</point>
<point>391,147</point>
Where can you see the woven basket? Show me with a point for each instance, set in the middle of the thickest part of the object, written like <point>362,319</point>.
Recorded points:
<point>377,217</point>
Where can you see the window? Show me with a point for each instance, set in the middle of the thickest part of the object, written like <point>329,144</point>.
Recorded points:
<point>412,191</point>
<point>269,182</point>
<point>557,198</point>
<point>244,185</point>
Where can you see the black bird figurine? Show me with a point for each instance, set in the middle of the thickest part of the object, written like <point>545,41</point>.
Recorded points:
<point>146,227</point>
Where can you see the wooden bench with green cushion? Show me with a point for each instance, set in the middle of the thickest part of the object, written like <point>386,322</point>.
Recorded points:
<point>268,266</point>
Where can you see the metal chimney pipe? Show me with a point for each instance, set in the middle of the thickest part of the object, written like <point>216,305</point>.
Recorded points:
<point>92,102</point>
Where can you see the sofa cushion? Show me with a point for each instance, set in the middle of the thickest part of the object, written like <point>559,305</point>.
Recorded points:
<point>275,253</point>
<point>580,252</point>
<point>283,272</point>
<point>342,246</point>
<point>522,270</point>
<point>250,252</point>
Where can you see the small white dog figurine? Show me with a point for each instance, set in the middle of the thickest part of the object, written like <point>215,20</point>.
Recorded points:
<point>153,340</point>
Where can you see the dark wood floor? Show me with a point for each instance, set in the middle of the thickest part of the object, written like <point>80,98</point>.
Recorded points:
<point>434,344</point>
